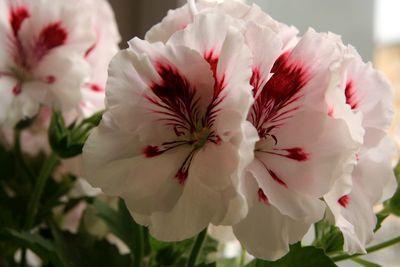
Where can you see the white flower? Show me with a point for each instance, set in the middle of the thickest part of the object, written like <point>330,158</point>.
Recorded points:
<point>174,139</point>
<point>99,55</point>
<point>302,149</point>
<point>41,56</point>
<point>352,198</point>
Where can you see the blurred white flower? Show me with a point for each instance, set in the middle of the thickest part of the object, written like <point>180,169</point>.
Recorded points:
<point>98,51</point>
<point>41,56</point>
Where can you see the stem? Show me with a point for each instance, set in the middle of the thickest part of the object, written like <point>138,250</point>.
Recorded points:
<point>23,258</point>
<point>198,243</point>
<point>243,257</point>
<point>44,174</point>
<point>138,248</point>
<point>371,249</point>
<point>19,157</point>
<point>146,247</point>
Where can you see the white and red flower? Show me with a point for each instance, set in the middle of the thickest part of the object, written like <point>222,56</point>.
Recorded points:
<point>41,56</point>
<point>97,51</point>
<point>302,149</point>
<point>174,139</point>
<point>352,198</point>
<point>183,143</point>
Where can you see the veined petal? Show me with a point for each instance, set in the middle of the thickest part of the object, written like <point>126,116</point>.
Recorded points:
<point>298,160</point>
<point>265,232</point>
<point>191,214</point>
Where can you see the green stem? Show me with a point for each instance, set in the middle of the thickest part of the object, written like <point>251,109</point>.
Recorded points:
<point>138,249</point>
<point>23,258</point>
<point>19,157</point>
<point>371,249</point>
<point>44,174</point>
<point>194,253</point>
<point>243,257</point>
<point>146,246</point>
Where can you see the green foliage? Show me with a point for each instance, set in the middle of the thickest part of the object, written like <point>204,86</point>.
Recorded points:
<point>298,257</point>
<point>328,237</point>
<point>120,222</point>
<point>44,248</point>
<point>83,249</point>
<point>68,141</point>
<point>393,204</point>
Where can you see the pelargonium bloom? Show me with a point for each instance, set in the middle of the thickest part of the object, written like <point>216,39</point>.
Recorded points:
<point>40,56</point>
<point>98,54</point>
<point>352,198</point>
<point>302,149</point>
<point>174,138</point>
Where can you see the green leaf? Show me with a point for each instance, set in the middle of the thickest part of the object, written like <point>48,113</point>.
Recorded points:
<point>6,164</point>
<point>393,204</point>
<point>328,237</point>
<point>119,221</point>
<point>298,257</point>
<point>213,264</point>
<point>44,248</point>
<point>227,262</point>
<point>170,254</point>
<point>83,250</point>
<point>68,141</point>
<point>380,217</point>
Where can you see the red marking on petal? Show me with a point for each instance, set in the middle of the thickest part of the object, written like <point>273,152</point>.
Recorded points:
<point>17,16</point>
<point>151,151</point>
<point>278,98</point>
<point>177,98</point>
<point>96,87</point>
<point>297,153</point>
<point>276,178</point>
<point>183,172</point>
<point>262,197</point>
<point>51,36</point>
<point>181,176</point>
<point>219,84</point>
<point>17,89</point>
<point>357,157</point>
<point>256,81</point>
<point>50,79</point>
<point>344,201</point>
<point>331,111</point>
<point>351,96</point>
<point>90,50</point>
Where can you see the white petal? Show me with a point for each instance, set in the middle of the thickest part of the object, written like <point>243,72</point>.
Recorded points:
<point>192,213</point>
<point>266,233</point>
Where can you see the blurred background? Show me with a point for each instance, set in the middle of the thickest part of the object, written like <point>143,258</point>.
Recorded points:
<point>372,26</point>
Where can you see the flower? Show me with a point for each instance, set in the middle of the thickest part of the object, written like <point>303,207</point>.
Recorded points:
<point>174,138</point>
<point>352,198</point>
<point>98,54</point>
<point>302,149</point>
<point>41,56</point>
